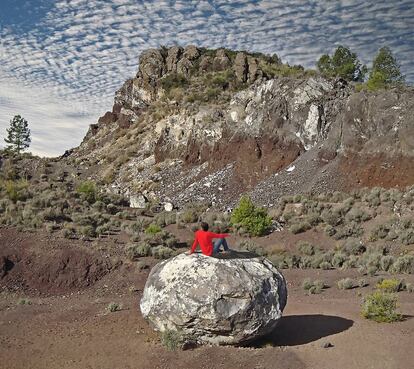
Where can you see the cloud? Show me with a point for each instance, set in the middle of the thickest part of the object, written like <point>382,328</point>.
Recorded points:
<point>55,124</point>
<point>78,52</point>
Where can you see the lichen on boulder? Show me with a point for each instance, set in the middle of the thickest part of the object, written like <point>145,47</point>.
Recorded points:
<point>221,301</point>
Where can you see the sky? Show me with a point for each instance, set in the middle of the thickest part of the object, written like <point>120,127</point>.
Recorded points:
<point>61,61</point>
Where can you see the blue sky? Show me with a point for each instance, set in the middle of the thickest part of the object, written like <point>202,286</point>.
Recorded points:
<point>61,61</point>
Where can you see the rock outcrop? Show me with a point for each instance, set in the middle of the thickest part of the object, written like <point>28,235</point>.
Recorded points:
<point>217,301</point>
<point>222,124</point>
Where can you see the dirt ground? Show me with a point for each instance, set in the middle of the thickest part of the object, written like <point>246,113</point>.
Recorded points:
<point>67,324</point>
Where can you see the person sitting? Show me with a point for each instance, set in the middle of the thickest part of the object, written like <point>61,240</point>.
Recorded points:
<point>204,238</point>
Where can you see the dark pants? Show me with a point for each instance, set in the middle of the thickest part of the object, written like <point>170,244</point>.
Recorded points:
<point>219,242</point>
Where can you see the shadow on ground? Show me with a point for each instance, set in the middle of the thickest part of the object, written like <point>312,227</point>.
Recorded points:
<point>296,330</point>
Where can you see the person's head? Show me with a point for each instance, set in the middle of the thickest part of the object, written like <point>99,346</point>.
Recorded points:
<point>204,226</point>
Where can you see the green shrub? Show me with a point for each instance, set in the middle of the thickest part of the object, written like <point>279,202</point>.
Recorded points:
<point>99,205</point>
<point>346,284</point>
<point>307,284</point>
<point>407,237</point>
<point>316,260</point>
<point>253,219</point>
<point>103,229</point>
<point>403,264</point>
<point>69,232</point>
<point>141,265</point>
<point>88,191</point>
<point>292,261</point>
<point>172,340</point>
<point>377,81</point>
<point>53,214</point>
<point>250,245</point>
<point>339,259</point>
<point>317,287</point>
<point>357,215</point>
<point>314,287</point>
<point>138,226</point>
<point>88,231</point>
<point>348,230</point>
<point>160,220</point>
<point>381,307</point>
<point>330,217</point>
<point>390,285</point>
<point>386,262</point>
<point>113,209</point>
<point>362,269</point>
<point>189,215</point>
<point>24,301</point>
<point>113,306</point>
<point>153,229</point>
<point>319,284</point>
<point>300,227</point>
<point>353,247</point>
<point>325,265</point>
<point>330,230</point>
<point>162,252</point>
<point>380,231</point>
<point>362,282</point>
<point>161,238</point>
<point>351,262</point>
<point>52,227</point>
<point>305,262</point>
<point>17,190</point>
<point>372,270</point>
<point>312,219</point>
<point>173,80</point>
<point>306,248</point>
<point>135,251</point>
<point>220,80</point>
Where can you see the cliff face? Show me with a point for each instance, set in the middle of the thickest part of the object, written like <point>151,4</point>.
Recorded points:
<point>203,125</point>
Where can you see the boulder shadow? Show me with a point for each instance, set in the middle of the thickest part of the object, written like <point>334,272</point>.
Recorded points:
<point>294,330</point>
<point>236,254</point>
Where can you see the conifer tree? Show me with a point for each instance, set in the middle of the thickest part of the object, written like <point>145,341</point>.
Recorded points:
<point>343,63</point>
<point>385,70</point>
<point>18,135</point>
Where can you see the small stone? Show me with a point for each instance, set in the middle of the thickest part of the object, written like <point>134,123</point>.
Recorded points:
<point>327,345</point>
<point>138,201</point>
<point>168,206</point>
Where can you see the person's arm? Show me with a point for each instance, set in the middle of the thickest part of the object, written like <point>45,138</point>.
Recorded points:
<point>219,235</point>
<point>193,247</point>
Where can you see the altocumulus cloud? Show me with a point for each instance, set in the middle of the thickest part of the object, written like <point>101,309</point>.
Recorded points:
<point>60,70</point>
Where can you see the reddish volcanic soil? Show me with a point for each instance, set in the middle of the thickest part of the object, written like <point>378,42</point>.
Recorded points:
<point>380,170</point>
<point>67,325</point>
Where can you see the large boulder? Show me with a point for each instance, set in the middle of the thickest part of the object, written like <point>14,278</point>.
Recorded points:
<point>222,301</point>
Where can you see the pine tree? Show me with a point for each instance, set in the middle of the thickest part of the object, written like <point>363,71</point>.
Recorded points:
<point>385,69</point>
<point>343,63</point>
<point>18,135</point>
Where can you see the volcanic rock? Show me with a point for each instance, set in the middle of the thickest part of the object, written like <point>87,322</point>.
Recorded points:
<point>196,141</point>
<point>221,301</point>
<point>241,67</point>
<point>221,61</point>
<point>174,54</point>
<point>138,201</point>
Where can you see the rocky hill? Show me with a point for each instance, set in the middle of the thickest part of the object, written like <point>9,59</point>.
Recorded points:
<point>199,125</point>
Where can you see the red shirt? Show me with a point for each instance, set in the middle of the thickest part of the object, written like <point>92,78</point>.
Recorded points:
<point>205,240</point>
